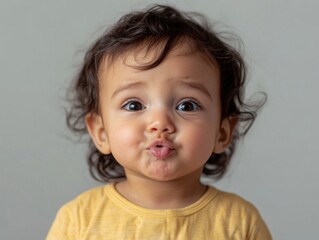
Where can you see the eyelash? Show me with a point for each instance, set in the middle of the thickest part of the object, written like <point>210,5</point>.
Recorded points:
<point>126,106</point>
<point>196,106</point>
<point>127,103</point>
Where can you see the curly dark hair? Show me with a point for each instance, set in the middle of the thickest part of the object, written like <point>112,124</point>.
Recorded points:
<point>151,27</point>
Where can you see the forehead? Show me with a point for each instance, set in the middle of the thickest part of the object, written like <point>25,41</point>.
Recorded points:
<point>181,62</point>
<point>183,73</point>
<point>149,54</point>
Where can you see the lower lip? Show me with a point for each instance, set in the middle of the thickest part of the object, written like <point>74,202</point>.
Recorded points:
<point>161,152</point>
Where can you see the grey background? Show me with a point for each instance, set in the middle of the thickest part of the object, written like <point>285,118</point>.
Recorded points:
<point>42,43</point>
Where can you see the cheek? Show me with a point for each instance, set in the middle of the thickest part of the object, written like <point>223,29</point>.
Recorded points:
<point>123,137</point>
<point>200,141</point>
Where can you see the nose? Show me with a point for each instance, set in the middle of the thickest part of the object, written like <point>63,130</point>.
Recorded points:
<point>160,121</point>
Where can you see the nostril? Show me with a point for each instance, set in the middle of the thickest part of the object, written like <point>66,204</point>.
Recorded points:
<point>162,127</point>
<point>153,129</point>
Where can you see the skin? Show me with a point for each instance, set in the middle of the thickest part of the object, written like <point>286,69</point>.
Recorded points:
<point>175,105</point>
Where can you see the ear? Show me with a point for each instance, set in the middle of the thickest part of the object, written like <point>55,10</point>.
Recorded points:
<point>225,135</point>
<point>95,127</point>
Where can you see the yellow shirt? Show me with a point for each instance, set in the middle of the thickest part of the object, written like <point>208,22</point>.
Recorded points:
<point>102,213</point>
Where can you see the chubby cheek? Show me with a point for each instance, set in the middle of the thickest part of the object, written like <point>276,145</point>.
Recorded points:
<point>123,139</point>
<point>200,142</point>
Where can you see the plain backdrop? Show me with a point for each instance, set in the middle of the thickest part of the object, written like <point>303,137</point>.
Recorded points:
<point>42,45</point>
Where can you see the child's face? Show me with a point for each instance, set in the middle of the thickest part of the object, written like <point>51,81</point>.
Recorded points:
<point>162,123</point>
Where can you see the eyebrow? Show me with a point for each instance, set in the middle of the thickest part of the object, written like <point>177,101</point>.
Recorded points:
<point>126,87</point>
<point>188,82</point>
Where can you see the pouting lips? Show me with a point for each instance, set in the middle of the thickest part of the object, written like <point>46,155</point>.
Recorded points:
<point>160,152</point>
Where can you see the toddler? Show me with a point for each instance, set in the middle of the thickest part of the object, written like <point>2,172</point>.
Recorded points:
<point>161,96</point>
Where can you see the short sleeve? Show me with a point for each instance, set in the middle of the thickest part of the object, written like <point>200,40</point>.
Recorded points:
<point>64,226</point>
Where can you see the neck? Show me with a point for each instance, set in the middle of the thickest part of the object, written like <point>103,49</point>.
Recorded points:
<point>154,194</point>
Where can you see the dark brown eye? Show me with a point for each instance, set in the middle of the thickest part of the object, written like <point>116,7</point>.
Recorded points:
<point>133,106</point>
<point>188,106</point>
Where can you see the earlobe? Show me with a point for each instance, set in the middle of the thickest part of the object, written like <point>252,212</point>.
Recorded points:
<point>225,134</point>
<point>95,127</point>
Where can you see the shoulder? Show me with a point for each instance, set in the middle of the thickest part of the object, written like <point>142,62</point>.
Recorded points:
<point>90,198</point>
<point>234,202</point>
<point>84,201</point>
<point>76,214</point>
<point>93,193</point>
<point>239,215</point>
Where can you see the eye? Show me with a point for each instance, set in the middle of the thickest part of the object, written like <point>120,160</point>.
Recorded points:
<point>133,105</point>
<point>188,106</point>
